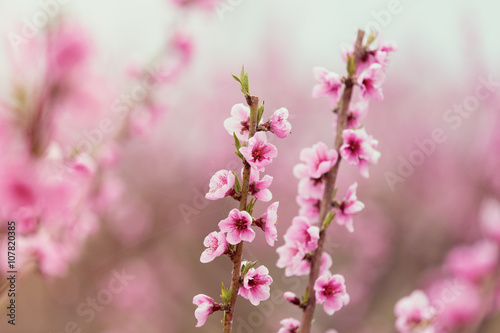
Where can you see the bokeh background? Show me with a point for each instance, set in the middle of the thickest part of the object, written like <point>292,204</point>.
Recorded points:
<point>149,217</point>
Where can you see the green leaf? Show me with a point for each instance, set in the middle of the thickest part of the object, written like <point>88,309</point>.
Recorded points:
<point>260,112</point>
<point>225,295</point>
<point>244,84</point>
<point>371,38</point>
<point>251,205</point>
<point>334,193</point>
<point>242,74</point>
<point>305,298</point>
<point>237,152</point>
<point>328,219</point>
<point>236,78</point>
<point>350,65</point>
<point>245,268</point>
<point>237,185</point>
<point>236,141</point>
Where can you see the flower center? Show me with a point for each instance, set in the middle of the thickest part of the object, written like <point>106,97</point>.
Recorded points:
<point>240,224</point>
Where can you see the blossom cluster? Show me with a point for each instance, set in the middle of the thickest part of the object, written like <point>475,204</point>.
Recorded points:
<point>474,270</point>
<point>358,149</point>
<point>256,153</point>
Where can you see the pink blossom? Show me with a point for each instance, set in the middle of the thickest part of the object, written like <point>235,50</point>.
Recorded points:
<point>355,116</point>
<point>205,307</point>
<point>359,149</point>
<point>289,325</point>
<point>490,219</point>
<point>237,225</point>
<point>291,297</point>
<point>216,244</point>
<point>309,207</point>
<point>258,153</point>
<point>259,187</point>
<point>473,262</point>
<point>291,257</point>
<point>318,159</point>
<point>308,187</point>
<point>331,290</point>
<point>414,314</point>
<point>301,230</point>
<point>267,223</point>
<point>280,124</point>
<point>457,303</point>
<point>239,121</point>
<point>370,82</point>
<point>330,85</point>
<point>220,184</point>
<point>348,207</point>
<point>255,285</point>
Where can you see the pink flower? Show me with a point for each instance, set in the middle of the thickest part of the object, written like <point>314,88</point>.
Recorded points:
<point>301,230</point>
<point>267,223</point>
<point>359,149</point>
<point>279,123</point>
<point>255,286</point>
<point>331,290</point>
<point>309,207</point>
<point>308,187</point>
<point>289,325</point>
<point>457,303</point>
<point>490,219</point>
<point>205,307</point>
<point>414,314</point>
<point>473,262</point>
<point>220,184</point>
<point>370,82</point>
<point>330,85</point>
<point>318,159</point>
<point>291,297</point>
<point>237,225</point>
<point>216,244</point>
<point>291,257</point>
<point>239,121</point>
<point>259,153</point>
<point>356,114</point>
<point>259,188</point>
<point>348,207</point>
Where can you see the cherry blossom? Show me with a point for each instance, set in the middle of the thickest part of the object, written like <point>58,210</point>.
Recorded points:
<point>237,225</point>
<point>473,262</point>
<point>205,307</point>
<point>239,121</point>
<point>359,149</point>
<point>221,184</point>
<point>256,284</point>
<point>259,153</point>
<point>370,81</point>
<point>414,314</point>
<point>330,85</point>
<point>267,223</point>
<point>301,230</point>
<point>289,325</point>
<point>216,244</point>
<point>280,125</point>
<point>348,207</point>
<point>259,187</point>
<point>318,159</point>
<point>330,290</point>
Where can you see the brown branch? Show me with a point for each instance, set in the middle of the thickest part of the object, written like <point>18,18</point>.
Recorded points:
<point>331,177</point>
<point>253,102</point>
